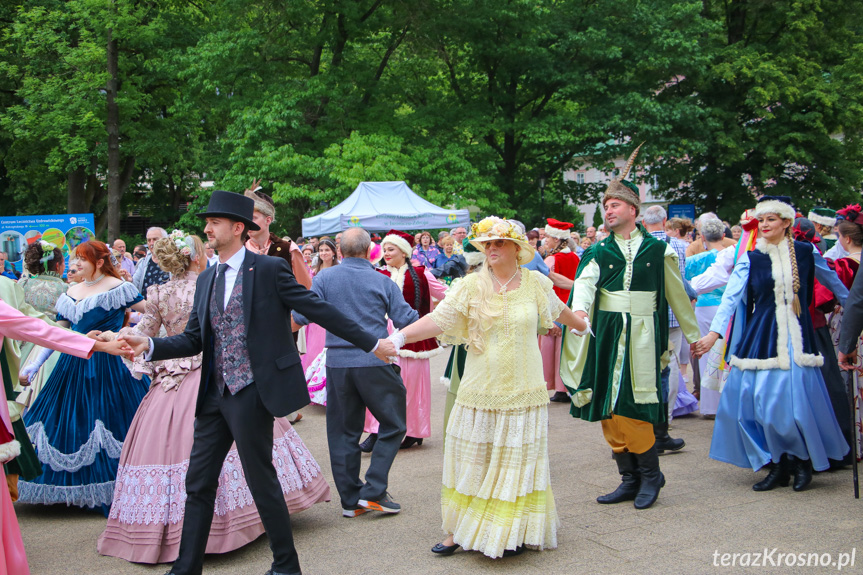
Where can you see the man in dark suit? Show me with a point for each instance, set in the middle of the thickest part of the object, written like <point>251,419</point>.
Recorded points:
<point>251,373</point>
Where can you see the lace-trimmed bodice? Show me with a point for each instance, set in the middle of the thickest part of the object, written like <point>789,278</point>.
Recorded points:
<point>508,374</point>
<point>168,305</point>
<point>42,292</point>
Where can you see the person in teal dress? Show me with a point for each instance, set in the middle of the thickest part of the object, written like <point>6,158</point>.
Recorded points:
<point>79,420</point>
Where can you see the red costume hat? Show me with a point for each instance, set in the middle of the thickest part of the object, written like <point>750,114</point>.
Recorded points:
<point>401,240</point>
<point>558,229</point>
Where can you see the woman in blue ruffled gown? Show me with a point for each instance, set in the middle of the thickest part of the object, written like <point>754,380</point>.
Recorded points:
<point>80,418</point>
<point>774,410</point>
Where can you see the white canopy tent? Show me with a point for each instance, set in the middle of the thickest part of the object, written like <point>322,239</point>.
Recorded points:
<point>381,206</point>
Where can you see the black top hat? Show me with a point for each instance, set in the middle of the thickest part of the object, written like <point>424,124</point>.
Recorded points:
<point>232,206</point>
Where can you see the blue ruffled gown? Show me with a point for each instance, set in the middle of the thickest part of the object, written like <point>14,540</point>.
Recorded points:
<point>774,401</point>
<point>80,419</point>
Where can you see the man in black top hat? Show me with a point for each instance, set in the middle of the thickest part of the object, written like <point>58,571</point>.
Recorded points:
<point>251,373</point>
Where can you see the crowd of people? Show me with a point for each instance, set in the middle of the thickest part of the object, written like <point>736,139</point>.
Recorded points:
<point>170,405</point>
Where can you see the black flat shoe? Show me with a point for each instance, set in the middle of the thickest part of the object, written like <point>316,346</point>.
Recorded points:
<point>560,397</point>
<point>445,550</point>
<point>369,444</point>
<point>513,552</point>
<point>410,442</point>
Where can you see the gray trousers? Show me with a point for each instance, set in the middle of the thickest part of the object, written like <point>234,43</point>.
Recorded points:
<point>349,392</point>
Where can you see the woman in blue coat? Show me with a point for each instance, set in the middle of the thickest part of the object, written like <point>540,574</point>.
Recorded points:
<point>774,411</point>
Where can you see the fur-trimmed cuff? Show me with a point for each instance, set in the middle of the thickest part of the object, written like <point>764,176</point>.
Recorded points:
<point>9,451</point>
<point>420,354</point>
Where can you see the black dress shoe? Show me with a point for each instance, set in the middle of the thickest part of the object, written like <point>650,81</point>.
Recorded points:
<point>410,442</point>
<point>560,397</point>
<point>513,552</point>
<point>369,444</point>
<point>445,550</point>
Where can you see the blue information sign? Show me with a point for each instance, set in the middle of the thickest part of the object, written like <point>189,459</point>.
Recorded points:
<point>64,231</point>
<point>682,211</point>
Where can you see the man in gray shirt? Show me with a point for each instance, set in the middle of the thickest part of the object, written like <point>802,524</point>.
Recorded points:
<point>357,380</point>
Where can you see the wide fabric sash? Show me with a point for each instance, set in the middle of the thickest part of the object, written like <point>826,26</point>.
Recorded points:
<point>640,305</point>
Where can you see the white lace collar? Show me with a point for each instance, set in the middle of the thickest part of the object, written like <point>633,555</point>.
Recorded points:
<point>115,298</point>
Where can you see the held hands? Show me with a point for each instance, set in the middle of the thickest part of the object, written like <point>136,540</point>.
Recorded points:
<point>703,345</point>
<point>136,344</point>
<point>116,347</point>
<point>555,331</point>
<point>386,351</point>
<point>581,315</point>
<point>847,360</point>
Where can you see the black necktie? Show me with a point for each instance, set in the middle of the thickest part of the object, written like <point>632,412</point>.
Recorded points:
<point>220,286</point>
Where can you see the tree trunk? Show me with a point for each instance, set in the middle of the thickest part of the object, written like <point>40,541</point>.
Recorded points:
<point>76,192</point>
<point>112,125</point>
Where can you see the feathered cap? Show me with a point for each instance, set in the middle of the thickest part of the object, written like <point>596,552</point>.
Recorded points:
<point>823,216</point>
<point>779,205</point>
<point>472,256</point>
<point>263,202</point>
<point>622,189</point>
<point>852,213</point>
<point>401,240</point>
<point>558,229</point>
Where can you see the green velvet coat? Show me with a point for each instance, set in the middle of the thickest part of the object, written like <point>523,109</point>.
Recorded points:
<point>588,363</point>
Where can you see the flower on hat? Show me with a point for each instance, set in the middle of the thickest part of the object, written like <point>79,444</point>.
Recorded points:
<point>493,226</point>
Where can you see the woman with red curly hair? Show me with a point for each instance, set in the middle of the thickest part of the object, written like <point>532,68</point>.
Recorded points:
<point>79,420</point>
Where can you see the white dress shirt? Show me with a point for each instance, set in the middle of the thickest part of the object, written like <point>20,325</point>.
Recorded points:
<point>235,263</point>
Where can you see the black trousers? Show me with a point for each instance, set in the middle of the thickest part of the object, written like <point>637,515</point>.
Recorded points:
<point>223,420</point>
<point>349,392</point>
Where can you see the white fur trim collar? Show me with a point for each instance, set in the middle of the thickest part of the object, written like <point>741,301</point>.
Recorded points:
<point>787,324</point>
<point>398,275</point>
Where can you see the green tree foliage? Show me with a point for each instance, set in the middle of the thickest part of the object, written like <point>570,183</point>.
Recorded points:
<point>779,107</point>
<point>471,102</point>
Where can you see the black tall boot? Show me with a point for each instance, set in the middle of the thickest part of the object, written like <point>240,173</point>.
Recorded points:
<point>628,488</point>
<point>802,472</point>
<point>665,442</point>
<point>652,479</point>
<point>777,477</point>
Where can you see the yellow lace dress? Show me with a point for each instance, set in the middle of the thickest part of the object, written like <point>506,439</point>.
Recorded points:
<point>496,491</point>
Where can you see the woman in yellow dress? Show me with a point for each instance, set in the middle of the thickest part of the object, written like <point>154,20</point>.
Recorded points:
<point>496,496</point>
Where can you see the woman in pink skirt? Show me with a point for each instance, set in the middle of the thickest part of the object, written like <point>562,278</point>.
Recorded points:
<point>315,334</point>
<point>146,518</point>
<point>419,287</point>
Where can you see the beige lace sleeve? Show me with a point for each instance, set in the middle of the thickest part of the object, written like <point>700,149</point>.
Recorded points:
<point>547,302</point>
<point>452,313</point>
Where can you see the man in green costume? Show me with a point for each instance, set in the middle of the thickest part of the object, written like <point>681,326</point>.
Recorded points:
<point>624,285</point>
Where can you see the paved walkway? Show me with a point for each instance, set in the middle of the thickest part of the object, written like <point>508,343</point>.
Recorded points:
<point>706,507</point>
